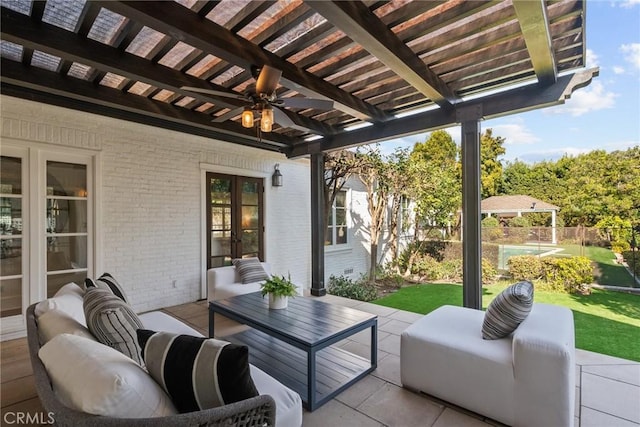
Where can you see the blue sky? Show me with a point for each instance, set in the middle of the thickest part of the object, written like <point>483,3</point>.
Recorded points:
<point>604,115</point>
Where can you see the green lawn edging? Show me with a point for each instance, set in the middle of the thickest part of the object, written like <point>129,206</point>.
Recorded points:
<point>605,322</point>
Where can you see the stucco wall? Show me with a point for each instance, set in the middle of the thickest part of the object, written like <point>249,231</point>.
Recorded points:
<point>150,186</point>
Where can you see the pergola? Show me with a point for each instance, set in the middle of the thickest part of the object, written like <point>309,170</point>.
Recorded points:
<point>516,205</point>
<point>390,68</point>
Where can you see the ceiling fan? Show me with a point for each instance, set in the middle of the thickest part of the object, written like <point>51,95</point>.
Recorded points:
<point>263,101</point>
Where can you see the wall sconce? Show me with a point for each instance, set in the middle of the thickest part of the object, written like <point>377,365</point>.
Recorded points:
<point>276,178</point>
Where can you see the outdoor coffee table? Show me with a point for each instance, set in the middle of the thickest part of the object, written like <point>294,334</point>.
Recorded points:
<point>293,344</point>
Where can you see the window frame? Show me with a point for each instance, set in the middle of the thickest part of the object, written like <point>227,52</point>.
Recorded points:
<point>333,228</point>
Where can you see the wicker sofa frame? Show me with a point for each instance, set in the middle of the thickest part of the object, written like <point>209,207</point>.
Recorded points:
<point>257,411</point>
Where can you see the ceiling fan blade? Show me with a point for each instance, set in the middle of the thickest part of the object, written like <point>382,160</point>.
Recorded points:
<point>281,118</point>
<point>214,92</point>
<point>268,80</point>
<point>299,102</point>
<point>228,115</point>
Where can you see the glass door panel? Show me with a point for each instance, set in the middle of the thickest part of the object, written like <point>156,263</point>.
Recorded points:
<point>11,237</point>
<point>66,224</point>
<point>220,221</point>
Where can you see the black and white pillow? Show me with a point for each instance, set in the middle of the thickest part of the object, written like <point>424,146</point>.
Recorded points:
<point>505,313</point>
<point>250,270</point>
<point>198,373</point>
<point>112,322</point>
<point>107,281</point>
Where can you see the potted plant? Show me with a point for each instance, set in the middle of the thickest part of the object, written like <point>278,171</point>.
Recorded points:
<point>279,289</point>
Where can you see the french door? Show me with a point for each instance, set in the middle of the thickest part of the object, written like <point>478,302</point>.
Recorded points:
<point>234,218</point>
<point>46,231</point>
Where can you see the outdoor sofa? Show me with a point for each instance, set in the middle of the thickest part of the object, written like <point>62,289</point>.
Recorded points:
<point>226,282</point>
<point>62,318</point>
<point>524,379</point>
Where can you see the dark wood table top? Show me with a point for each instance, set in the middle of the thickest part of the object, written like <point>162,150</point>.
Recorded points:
<point>306,321</point>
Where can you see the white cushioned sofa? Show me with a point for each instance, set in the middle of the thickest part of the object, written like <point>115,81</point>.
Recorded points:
<point>225,282</point>
<point>524,379</point>
<point>83,382</point>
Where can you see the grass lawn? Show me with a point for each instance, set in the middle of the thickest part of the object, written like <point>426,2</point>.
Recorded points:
<point>606,322</point>
<point>607,272</point>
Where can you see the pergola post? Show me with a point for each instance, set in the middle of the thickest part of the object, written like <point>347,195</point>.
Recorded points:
<point>317,225</point>
<point>554,239</point>
<point>470,117</point>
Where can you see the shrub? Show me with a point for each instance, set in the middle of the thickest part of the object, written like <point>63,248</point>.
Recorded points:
<point>489,272</point>
<point>525,267</point>
<point>567,273</point>
<point>361,290</point>
<point>491,229</point>
<point>518,229</point>
<point>620,246</point>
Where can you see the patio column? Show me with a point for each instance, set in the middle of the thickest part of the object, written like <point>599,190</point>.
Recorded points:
<point>317,225</point>
<point>553,227</point>
<point>469,117</point>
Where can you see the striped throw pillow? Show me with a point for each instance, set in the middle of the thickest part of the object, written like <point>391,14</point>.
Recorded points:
<point>506,312</point>
<point>107,281</point>
<point>113,322</point>
<point>198,373</point>
<point>250,270</point>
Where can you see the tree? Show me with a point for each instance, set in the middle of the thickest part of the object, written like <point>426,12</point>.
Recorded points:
<point>374,174</point>
<point>490,166</point>
<point>435,181</point>
<point>399,179</point>
<point>338,167</point>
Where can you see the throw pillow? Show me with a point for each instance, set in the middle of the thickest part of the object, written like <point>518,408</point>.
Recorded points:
<point>93,378</point>
<point>506,312</point>
<point>113,322</point>
<point>250,270</point>
<point>106,281</point>
<point>198,373</point>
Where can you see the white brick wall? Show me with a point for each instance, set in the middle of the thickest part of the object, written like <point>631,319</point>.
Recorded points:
<point>150,197</point>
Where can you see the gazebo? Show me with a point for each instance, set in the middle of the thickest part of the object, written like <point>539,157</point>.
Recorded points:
<point>510,206</point>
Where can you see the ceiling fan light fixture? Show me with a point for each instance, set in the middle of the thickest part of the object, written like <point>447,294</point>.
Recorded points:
<point>266,122</point>
<point>247,118</point>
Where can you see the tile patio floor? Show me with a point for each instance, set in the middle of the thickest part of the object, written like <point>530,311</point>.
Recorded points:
<point>607,388</point>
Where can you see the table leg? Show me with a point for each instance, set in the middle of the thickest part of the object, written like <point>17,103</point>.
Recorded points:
<point>374,345</point>
<point>211,325</point>
<point>311,377</point>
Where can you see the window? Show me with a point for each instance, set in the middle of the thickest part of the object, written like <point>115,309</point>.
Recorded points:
<point>337,221</point>
<point>46,227</point>
<point>235,219</point>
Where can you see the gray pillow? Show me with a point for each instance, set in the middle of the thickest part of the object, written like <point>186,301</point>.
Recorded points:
<point>250,270</point>
<point>113,322</point>
<point>507,311</point>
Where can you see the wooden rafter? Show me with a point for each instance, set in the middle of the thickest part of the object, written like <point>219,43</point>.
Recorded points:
<point>362,26</point>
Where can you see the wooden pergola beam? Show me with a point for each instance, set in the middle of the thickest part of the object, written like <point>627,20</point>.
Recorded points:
<point>532,16</point>
<point>366,29</point>
<point>174,19</point>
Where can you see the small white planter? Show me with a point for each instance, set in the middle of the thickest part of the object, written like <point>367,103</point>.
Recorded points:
<point>277,302</point>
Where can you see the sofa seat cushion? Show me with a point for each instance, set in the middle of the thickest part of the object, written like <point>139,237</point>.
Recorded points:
<point>228,290</point>
<point>443,354</point>
<point>161,321</point>
<point>91,377</point>
<point>288,402</point>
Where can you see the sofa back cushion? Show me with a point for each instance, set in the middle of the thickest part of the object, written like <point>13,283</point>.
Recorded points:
<point>68,299</point>
<point>90,377</point>
<point>198,373</point>
<point>112,322</point>
<point>56,322</point>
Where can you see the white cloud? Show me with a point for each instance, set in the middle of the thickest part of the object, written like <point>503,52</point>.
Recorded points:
<point>628,4</point>
<point>592,98</point>
<point>592,59</point>
<point>618,70</point>
<point>515,134</point>
<point>631,53</point>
